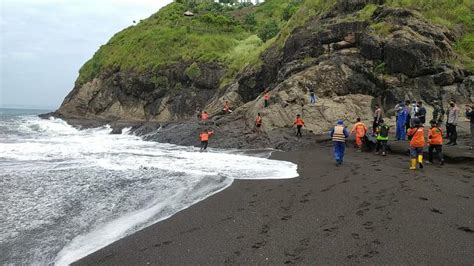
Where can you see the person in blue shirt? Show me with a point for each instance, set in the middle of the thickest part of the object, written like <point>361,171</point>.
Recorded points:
<point>339,134</point>
<point>402,116</point>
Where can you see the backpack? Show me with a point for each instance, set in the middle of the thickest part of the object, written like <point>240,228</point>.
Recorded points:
<point>384,131</point>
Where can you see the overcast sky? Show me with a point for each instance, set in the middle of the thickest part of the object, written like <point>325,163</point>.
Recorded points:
<point>43,43</point>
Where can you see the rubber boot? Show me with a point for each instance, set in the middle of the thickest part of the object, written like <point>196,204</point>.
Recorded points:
<point>413,164</point>
<point>420,160</point>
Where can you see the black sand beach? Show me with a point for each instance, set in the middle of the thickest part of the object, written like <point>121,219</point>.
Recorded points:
<point>371,210</point>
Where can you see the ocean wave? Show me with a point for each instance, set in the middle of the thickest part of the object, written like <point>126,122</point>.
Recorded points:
<point>69,192</point>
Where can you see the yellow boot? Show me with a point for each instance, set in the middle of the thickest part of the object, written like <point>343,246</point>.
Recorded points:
<point>420,160</point>
<point>413,164</point>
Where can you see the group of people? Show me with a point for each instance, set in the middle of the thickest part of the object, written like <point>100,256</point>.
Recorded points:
<point>410,122</point>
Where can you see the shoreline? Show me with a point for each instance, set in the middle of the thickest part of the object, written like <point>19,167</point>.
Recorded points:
<point>370,210</point>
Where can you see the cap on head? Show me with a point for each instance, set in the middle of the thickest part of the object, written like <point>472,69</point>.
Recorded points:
<point>340,122</point>
<point>417,121</point>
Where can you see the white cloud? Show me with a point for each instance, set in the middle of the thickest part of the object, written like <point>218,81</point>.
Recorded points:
<point>45,34</point>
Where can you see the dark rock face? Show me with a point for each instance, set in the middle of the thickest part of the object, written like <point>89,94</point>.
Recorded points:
<point>167,94</point>
<point>337,55</point>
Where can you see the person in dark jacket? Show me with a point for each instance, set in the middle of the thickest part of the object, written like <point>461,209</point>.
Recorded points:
<point>470,115</point>
<point>421,112</point>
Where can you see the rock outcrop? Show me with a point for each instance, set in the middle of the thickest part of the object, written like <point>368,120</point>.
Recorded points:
<point>351,63</point>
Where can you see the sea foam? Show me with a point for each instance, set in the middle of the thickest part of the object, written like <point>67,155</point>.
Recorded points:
<point>70,192</point>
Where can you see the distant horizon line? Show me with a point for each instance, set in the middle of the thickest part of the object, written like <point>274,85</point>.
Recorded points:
<point>41,108</point>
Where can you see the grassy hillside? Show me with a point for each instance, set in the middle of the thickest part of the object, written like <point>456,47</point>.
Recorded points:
<point>213,34</point>
<point>233,36</point>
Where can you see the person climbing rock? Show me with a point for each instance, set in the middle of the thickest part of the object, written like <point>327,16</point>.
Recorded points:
<point>227,109</point>
<point>470,114</point>
<point>258,122</point>
<point>438,112</point>
<point>312,96</point>
<point>204,116</point>
<point>416,134</point>
<point>377,116</point>
<point>435,141</point>
<point>360,129</point>
<point>266,99</point>
<point>204,137</point>
<point>402,116</point>
<point>339,134</point>
<point>299,124</point>
<point>451,122</point>
<point>382,138</point>
<point>421,112</point>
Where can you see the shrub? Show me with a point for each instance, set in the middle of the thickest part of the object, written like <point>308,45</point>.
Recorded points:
<point>268,31</point>
<point>193,71</point>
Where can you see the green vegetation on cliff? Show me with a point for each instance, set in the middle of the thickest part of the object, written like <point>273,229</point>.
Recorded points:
<point>236,36</point>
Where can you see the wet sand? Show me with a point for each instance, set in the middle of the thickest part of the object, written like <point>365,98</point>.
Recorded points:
<point>371,210</point>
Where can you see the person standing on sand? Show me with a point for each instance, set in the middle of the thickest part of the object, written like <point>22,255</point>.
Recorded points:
<point>416,134</point>
<point>402,116</point>
<point>360,130</point>
<point>299,124</point>
<point>312,96</point>
<point>451,122</point>
<point>266,99</point>
<point>204,137</point>
<point>413,111</point>
<point>258,122</point>
<point>397,108</point>
<point>470,115</point>
<point>435,140</point>
<point>438,112</point>
<point>421,112</point>
<point>408,120</point>
<point>377,116</point>
<point>382,138</point>
<point>339,134</point>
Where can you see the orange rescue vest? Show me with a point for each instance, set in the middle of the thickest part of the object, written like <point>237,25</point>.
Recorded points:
<point>417,137</point>
<point>435,136</point>
<point>299,122</point>
<point>204,136</point>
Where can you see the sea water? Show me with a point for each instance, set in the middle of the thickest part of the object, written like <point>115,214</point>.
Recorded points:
<point>66,193</point>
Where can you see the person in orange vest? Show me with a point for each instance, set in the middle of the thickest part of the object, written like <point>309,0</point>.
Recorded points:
<point>416,134</point>
<point>339,134</point>
<point>435,139</point>
<point>204,137</point>
<point>227,107</point>
<point>266,99</point>
<point>204,116</point>
<point>360,130</point>
<point>299,124</point>
<point>258,122</point>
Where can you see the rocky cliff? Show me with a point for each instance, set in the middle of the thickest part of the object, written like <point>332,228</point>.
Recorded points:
<point>353,54</point>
